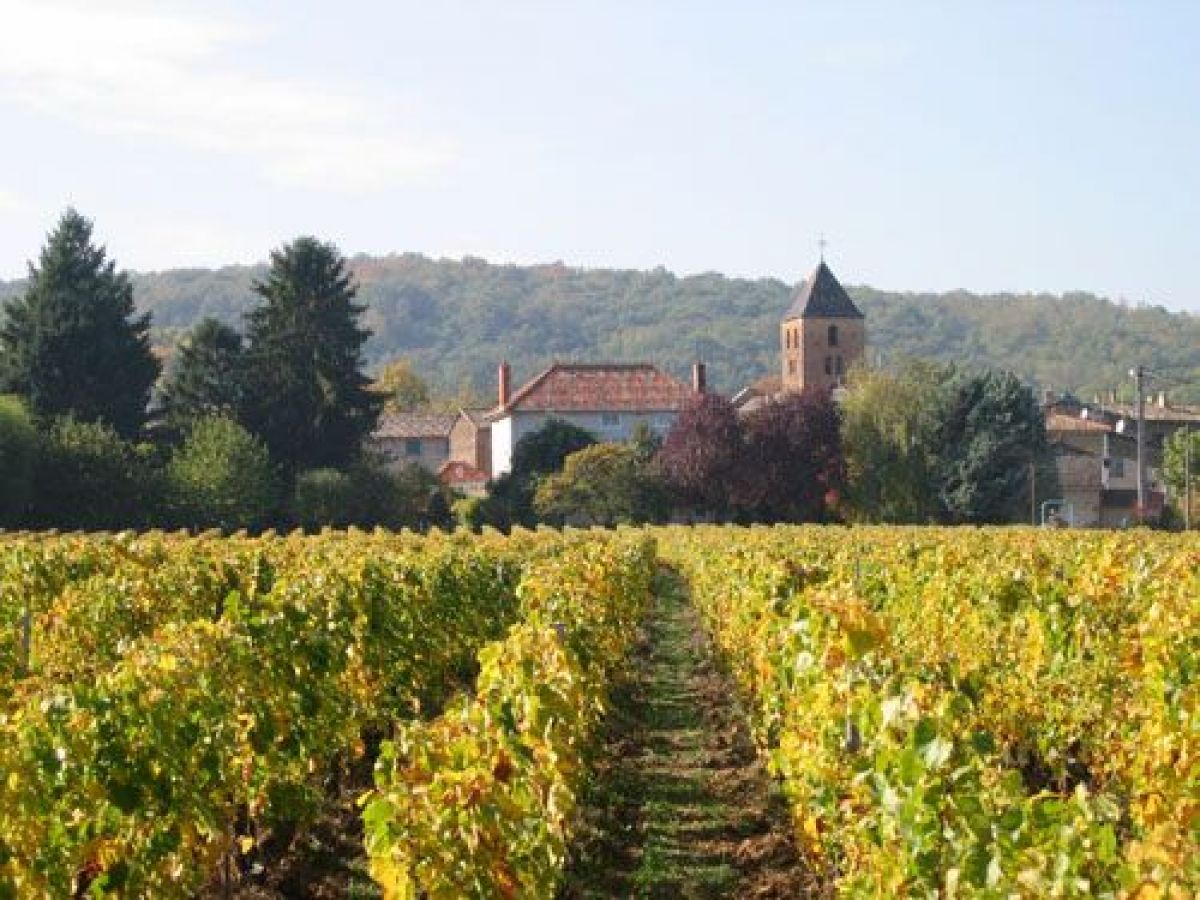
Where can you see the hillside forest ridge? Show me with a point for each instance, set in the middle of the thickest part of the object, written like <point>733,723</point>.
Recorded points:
<point>453,319</point>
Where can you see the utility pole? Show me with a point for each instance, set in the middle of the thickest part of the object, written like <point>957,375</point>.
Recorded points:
<point>1187,478</point>
<point>1139,375</point>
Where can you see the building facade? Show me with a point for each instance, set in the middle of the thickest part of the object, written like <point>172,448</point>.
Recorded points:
<point>822,335</point>
<point>413,439</point>
<point>610,400</point>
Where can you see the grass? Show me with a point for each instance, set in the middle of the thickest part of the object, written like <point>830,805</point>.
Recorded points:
<point>679,797</point>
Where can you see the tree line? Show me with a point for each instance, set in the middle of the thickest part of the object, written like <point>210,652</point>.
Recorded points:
<point>453,319</point>
<point>923,443</point>
<point>243,431</point>
<point>264,425</point>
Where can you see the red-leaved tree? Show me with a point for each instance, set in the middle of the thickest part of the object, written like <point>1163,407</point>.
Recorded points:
<point>792,466</point>
<point>701,453</point>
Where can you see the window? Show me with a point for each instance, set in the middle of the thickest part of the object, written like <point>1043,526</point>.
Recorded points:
<point>833,336</point>
<point>1118,467</point>
<point>412,447</point>
<point>787,338</point>
<point>838,366</point>
<point>829,365</point>
<point>791,367</point>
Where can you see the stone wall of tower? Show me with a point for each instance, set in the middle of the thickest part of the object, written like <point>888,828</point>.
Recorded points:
<point>820,351</point>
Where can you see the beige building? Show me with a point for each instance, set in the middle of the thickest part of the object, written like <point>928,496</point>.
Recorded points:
<point>413,439</point>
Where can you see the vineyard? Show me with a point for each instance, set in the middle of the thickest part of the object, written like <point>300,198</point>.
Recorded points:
<point>942,712</point>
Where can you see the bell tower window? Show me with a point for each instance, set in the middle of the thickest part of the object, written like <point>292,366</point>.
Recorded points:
<point>833,336</point>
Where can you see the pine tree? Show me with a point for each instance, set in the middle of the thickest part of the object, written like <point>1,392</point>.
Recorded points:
<point>307,396</point>
<point>71,345</point>
<point>208,377</point>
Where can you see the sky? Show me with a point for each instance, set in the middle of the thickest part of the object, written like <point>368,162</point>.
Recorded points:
<point>1016,146</point>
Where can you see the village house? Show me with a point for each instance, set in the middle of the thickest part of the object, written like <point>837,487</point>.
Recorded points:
<point>413,439</point>
<point>1096,467</point>
<point>608,399</point>
<point>471,440</point>
<point>463,477</point>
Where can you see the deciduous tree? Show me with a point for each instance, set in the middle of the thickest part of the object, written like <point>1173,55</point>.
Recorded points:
<point>401,388</point>
<point>18,452</point>
<point>221,477</point>
<point>792,467</point>
<point>700,453</point>
<point>605,484</point>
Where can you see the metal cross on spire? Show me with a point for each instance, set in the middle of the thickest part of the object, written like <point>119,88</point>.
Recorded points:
<point>821,242</point>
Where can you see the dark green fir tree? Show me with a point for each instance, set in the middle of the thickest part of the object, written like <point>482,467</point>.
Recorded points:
<point>208,378</point>
<point>71,345</point>
<point>307,396</point>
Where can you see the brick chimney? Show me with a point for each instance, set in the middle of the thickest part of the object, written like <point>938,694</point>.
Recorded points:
<point>504,380</point>
<point>699,377</point>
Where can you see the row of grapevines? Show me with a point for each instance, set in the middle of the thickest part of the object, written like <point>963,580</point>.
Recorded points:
<point>478,802</point>
<point>960,712</point>
<point>204,733</point>
<point>68,606</point>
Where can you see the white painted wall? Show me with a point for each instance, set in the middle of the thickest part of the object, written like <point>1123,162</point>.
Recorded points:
<point>609,427</point>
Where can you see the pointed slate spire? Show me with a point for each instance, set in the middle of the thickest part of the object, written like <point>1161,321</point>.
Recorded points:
<point>822,297</point>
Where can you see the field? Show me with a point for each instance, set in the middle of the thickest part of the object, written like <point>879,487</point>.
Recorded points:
<point>664,712</point>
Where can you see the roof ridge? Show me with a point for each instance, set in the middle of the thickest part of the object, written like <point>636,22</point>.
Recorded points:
<point>821,295</point>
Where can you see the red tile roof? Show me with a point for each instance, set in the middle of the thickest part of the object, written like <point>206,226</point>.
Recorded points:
<point>579,387</point>
<point>457,472</point>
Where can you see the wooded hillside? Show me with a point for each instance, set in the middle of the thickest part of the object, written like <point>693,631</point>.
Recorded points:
<point>456,319</point>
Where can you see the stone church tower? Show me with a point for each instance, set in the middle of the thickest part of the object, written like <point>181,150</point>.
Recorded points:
<point>822,335</point>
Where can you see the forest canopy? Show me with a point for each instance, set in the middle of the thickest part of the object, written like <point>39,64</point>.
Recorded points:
<point>454,320</point>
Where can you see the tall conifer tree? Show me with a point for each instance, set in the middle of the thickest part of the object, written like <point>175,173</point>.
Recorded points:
<point>71,344</point>
<point>308,398</point>
<point>208,377</point>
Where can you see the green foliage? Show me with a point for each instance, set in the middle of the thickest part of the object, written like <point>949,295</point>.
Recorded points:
<point>401,388</point>
<point>222,476</point>
<point>70,344</point>
<point>88,477</point>
<point>208,377</point>
<point>18,452</point>
<point>1176,469</point>
<point>931,442</point>
<point>605,484</point>
<point>324,497</point>
<point>539,453</point>
<point>990,430</point>
<point>889,424</point>
<point>469,512</point>
<point>369,494</point>
<point>310,402</point>
<point>544,451</point>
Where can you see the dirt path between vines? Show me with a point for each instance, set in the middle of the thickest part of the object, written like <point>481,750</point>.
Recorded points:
<point>680,807</point>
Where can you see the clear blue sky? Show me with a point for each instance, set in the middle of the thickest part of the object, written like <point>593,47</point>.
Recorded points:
<point>990,146</point>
